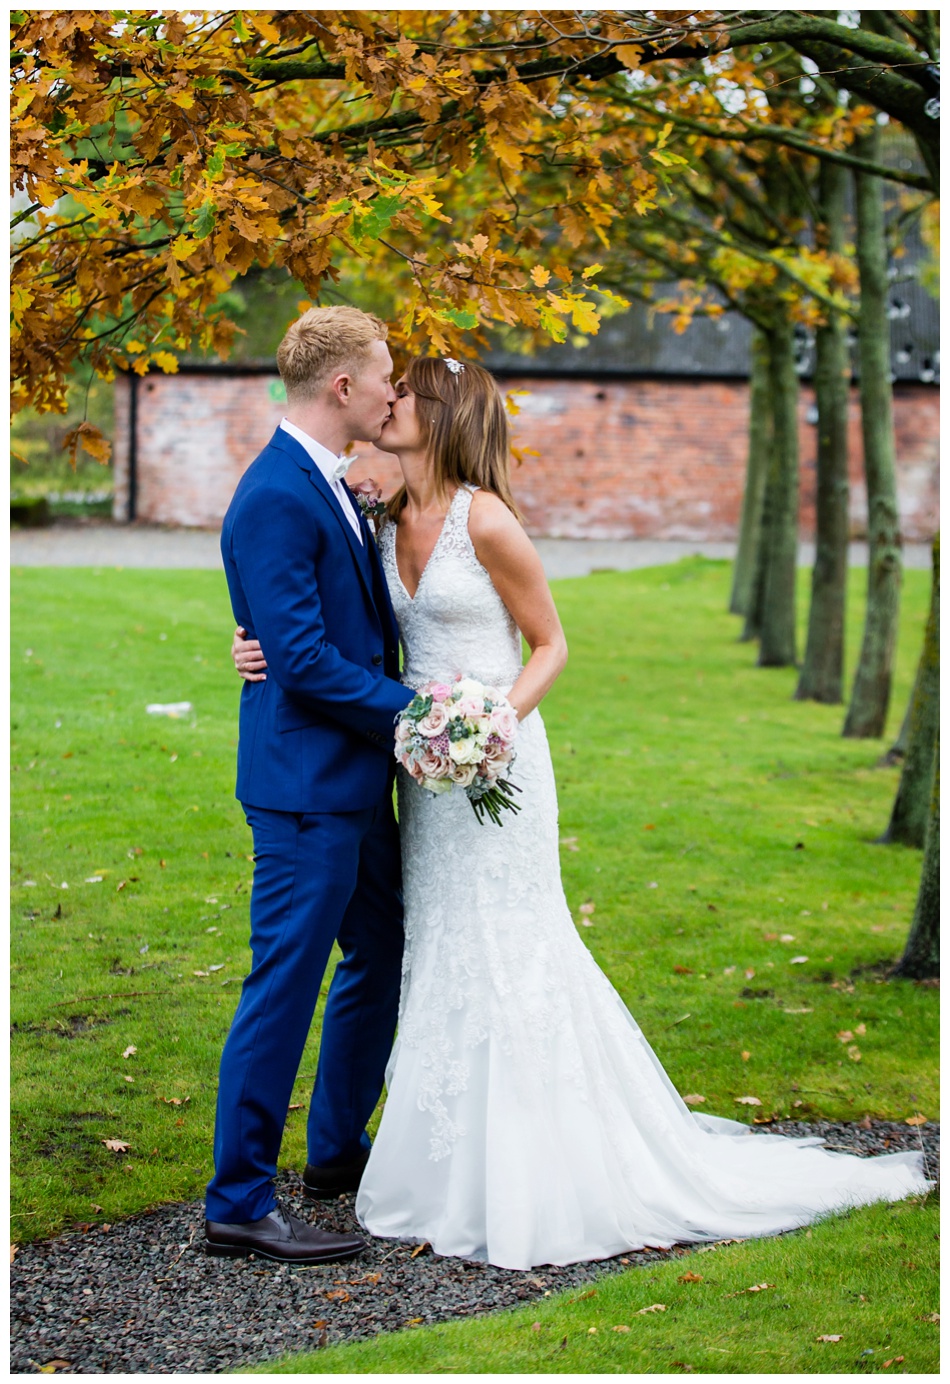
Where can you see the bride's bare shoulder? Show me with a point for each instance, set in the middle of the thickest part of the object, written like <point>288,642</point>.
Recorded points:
<point>490,516</point>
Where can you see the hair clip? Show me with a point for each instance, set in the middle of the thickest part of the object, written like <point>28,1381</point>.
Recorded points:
<point>455,366</point>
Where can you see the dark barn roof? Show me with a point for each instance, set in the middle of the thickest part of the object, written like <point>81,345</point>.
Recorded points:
<point>630,344</point>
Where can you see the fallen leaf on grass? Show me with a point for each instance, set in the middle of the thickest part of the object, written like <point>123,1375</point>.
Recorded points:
<point>694,1099</point>
<point>656,1307</point>
<point>535,1326</point>
<point>746,1056</point>
<point>298,1106</point>
<point>592,1331</point>
<point>93,879</point>
<point>750,973</point>
<point>748,1100</point>
<point>690,1277</point>
<point>827,1338</point>
<point>130,1051</point>
<point>894,1360</point>
<point>916,1120</point>
<point>116,1145</point>
<point>854,1052</point>
<point>592,1292</point>
<point>931,1317</point>
<point>337,1295</point>
<point>129,1079</point>
<point>682,970</point>
<point>861,1030</point>
<point>219,967</point>
<point>799,1011</point>
<point>199,973</point>
<point>759,1287</point>
<point>570,843</point>
<point>13,1250</point>
<point>419,1249</point>
<point>620,1328</point>
<point>587,908</point>
<point>798,960</point>
<point>787,937</point>
<point>844,1035</point>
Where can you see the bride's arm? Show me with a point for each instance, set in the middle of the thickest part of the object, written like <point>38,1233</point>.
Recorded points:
<point>508,555</point>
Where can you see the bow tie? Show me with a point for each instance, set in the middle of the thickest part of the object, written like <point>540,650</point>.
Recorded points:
<point>343,465</point>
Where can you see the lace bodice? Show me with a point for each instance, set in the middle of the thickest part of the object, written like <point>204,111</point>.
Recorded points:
<point>456,624</point>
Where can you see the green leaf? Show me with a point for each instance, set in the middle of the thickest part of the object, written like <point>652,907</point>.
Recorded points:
<point>240,28</point>
<point>216,162</point>
<point>379,216</point>
<point>204,221</point>
<point>459,317</point>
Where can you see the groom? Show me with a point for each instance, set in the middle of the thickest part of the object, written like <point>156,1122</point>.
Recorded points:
<point>314,776</point>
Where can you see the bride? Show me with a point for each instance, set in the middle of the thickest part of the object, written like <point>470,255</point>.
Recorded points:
<point>527,1119</point>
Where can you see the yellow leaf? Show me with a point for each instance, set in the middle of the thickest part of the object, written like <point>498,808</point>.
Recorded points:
<point>540,275</point>
<point>166,362</point>
<point>181,248</point>
<point>263,26</point>
<point>134,347</point>
<point>184,99</point>
<point>585,316</point>
<point>629,54</point>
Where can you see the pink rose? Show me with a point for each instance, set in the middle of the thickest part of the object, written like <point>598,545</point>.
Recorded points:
<point>368,490</point>
<point>504,722</point>
<point>434,766</point>
<point>414,770</point>
<point>470,706</point>
<point>434,722</point>
<point>498,754</point>
<point>403,732</point>
<point>439,692</point>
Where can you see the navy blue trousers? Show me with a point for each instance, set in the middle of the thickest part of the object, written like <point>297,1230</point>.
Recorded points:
<point>318,877</point>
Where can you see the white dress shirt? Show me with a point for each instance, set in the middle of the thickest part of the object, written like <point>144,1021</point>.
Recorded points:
<point>325,462</point>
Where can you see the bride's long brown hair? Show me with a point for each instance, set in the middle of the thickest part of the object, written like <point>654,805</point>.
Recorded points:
<point>464,428</point>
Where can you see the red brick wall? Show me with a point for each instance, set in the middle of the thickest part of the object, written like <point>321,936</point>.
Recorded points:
<point>601,459</point>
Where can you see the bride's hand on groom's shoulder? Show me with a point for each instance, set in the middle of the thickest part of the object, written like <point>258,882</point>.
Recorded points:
<point>249,660</point>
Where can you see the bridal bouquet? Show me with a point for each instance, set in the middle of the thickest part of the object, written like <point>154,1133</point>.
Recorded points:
<point>461,736</point>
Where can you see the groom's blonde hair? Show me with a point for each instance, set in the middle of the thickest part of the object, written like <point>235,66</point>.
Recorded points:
<point>323,342</point>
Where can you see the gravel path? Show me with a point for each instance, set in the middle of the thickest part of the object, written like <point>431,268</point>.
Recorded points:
<point>142,1297</point>
<point>99,543</point>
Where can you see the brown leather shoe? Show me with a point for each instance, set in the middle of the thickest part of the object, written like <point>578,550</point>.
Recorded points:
<point>282,1237</point>
<point>322,1184</point>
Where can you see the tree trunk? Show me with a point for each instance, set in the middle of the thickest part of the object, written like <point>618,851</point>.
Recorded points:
<point>823,667</point>
<point>780,529</point>
<point>921,959</point>
<point>872,684</point>
<point>895,755</point>
<point>908,824</point>
<point>760,432</point>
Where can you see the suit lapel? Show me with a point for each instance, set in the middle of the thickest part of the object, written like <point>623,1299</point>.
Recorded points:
<point>286,443</point>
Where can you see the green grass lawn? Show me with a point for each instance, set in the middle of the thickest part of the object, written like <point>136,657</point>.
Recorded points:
<point>869,1278</point>
<point>705,816</point>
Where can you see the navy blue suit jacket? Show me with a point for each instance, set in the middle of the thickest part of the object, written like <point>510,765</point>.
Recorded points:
<point>317,735</point>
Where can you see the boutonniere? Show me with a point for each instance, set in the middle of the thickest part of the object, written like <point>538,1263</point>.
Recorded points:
<point>369,497</point>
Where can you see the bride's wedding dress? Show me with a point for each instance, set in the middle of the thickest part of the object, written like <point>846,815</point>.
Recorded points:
<point>527,1119</point>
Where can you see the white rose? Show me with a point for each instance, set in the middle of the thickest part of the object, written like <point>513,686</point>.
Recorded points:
<point>467,687</point>
<point>464,774</point>
<point>465,751</point>
<point>437,785</point>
